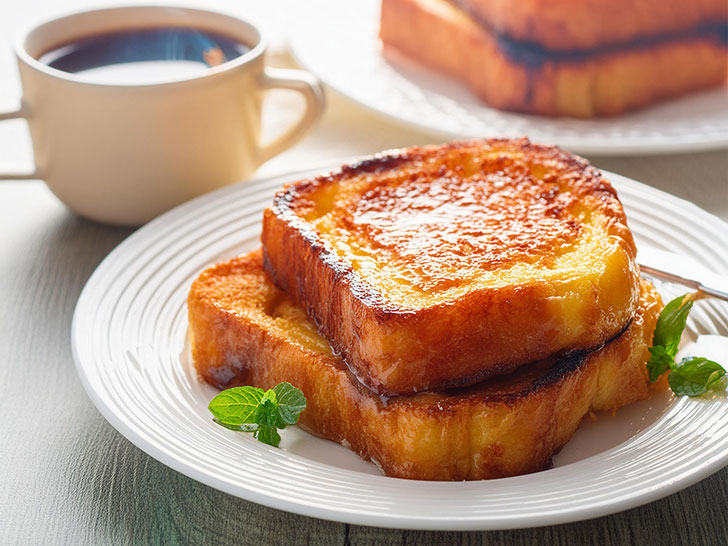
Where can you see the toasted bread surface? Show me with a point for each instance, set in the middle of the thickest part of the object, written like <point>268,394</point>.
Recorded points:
<point>439,34</point>
<point>578,24</point>
<point>245,331</point>
<point>429,267</point>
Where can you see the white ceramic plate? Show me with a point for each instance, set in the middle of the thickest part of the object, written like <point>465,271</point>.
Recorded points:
<point>129,342</point>
<point>338,42</point>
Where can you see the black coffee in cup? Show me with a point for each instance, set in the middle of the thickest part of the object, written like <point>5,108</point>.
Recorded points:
<point>144,55</point>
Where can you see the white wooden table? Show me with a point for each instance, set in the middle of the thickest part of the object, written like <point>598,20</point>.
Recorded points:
<point>67,477</point>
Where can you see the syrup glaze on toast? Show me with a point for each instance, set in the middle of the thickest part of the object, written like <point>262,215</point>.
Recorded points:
<point>414,261</point>
<point>245,331</point>
<point>450,228</point>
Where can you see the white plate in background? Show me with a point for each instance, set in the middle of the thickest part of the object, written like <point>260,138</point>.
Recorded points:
<point>338,42</point>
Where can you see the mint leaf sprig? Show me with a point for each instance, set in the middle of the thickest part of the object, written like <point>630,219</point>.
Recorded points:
<point>693,375</point>
<point>250,409</point>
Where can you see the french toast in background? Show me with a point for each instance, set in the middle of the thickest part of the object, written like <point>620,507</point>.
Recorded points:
<point>568,25</point>
<point>565,57</point>
<point>245,331</point>
<point>435,267</point>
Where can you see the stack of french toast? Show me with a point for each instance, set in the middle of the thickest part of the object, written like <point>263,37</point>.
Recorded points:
<point>450,312</point>
<point>565,57</point>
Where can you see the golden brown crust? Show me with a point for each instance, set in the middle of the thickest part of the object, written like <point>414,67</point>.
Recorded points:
<point>440,35</point>
<point>470,245</point>
<point>584,24</point>
<point>246,331</point>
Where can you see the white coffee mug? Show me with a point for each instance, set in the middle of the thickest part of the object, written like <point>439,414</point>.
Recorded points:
<point>124,153</point>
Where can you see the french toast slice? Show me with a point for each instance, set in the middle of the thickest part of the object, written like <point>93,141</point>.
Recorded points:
<point>245,331</point>
<point>568,25</point>
<point>437,267</point>
<point>511,74</point>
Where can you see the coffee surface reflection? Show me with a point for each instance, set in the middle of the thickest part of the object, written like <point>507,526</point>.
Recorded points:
<point>145,55</point>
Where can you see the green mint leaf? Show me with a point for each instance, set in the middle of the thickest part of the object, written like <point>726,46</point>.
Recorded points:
<point>671,323</point>
<point>250,409</point>
<point>268,435</point>
<point>247,427</point>
<point>694,376</point>
<point>266,415</point>
<point>659,362</point>
<point>291,402</point>
<point>237,406</point>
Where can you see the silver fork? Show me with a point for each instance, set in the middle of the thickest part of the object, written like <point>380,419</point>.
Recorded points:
<point>682,270</point>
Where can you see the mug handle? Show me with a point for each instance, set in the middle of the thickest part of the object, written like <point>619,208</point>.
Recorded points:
<point>14,114</point>
<point>310,88</point>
